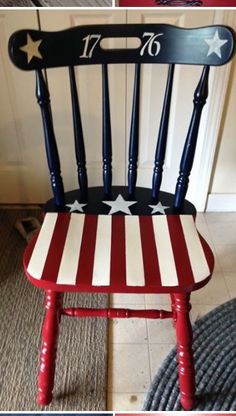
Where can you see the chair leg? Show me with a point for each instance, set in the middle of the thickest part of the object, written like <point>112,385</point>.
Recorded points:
<point>172,297</point>
<point>50,331</point>
<point>184,350</point>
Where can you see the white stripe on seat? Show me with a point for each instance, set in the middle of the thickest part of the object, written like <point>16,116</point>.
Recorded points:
<point>165,254</point>
<point>133,251</point>
<point>196,254</point>
<point>39,255</point>
<point>102,256</point>
<point>70,257</point>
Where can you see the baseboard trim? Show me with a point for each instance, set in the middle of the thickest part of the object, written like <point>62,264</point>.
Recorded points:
<point>221,202</point>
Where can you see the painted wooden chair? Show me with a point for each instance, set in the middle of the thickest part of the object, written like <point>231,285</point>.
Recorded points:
<point>82,246</point>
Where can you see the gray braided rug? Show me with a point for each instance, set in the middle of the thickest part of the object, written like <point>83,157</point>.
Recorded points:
<point>81,372</point>
<point>215,363</point>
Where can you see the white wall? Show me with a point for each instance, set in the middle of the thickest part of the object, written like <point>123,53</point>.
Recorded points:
<point>223,185</point>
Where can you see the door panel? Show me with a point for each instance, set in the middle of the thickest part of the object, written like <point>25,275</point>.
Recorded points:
<point>152,92</point>
<point>19,120</point>
<point>89,87</point>
<point>23,171</point>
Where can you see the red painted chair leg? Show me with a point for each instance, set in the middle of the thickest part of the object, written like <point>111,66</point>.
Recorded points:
<point>50,333</point>
<point>184,349</point>
<point>172,297</point>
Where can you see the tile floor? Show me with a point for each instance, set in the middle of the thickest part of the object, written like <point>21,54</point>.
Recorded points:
<point>138,347</point>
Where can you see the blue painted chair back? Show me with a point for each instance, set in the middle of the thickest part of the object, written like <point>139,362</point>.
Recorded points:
<point>158,44</point>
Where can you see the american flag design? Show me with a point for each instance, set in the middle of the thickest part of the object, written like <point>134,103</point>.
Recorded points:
<point>118,253</point>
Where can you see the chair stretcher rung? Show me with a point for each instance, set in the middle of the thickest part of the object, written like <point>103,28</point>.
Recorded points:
<point>117,313</point>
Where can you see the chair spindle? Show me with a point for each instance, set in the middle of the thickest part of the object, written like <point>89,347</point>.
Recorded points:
<point>78,138</point>
<point>43,98</point>
<point>162,136</point>
<point>134,133</point>
<point>106,133</point>
<point>200,97</point>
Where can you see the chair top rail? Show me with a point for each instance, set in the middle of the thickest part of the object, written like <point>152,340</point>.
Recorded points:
<point>157,43</point>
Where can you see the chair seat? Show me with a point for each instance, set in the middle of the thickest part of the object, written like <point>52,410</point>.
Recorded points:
<point>118,254</point>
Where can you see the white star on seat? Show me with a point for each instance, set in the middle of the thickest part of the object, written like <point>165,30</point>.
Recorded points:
<point>215,44</point>
<point>76,206</point>
<point>158,208</point>
<point>120,205</point>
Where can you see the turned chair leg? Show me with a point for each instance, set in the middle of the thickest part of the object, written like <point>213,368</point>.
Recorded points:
<point>186,371</point>
<point>50,331</point>
<point>172,297</point>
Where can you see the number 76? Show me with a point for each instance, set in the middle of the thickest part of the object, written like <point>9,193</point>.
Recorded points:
<point>152,45</point>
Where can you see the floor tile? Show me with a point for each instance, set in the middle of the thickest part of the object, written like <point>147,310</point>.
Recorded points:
<point>153,299</point>
<point>129,368</point>
<point>230,279</point>
<point>214,293</point>
<point>198,311</point>
<point>223,232</point>
<point>128,330</point>
<point>131,299</point>
<point>158,353</point>
<point>126,401</point>
<point>161,331</point>
<point>220,217</point>
<point>226,254</point>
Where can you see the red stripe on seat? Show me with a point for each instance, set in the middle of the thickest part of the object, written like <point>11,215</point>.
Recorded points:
<point>150,258</point>
<point>87,250</point>
<point>180,251</point>
<point>56,248</point>
<point>118,260</point>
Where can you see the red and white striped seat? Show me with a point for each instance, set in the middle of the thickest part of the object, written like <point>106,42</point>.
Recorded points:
<point>103,253</point>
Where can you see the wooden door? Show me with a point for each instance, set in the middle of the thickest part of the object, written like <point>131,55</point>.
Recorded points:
<point>89,87</point>
<point>186,79</point>
<point>21,155</point>
<point>23,170</point>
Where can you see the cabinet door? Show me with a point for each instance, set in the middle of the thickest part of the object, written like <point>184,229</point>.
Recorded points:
<point>89,88</point>
<point>19,119</point>
<point>186,79</point>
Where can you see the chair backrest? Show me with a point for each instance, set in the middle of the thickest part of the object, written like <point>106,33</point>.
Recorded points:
<point>158,44</point>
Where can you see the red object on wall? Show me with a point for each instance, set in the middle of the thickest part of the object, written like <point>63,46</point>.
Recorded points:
<point>152,3</point>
